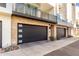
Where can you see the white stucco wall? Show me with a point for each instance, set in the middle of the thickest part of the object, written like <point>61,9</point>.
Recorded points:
<point>6,30</point>
<point>8,8</point>
<point>69,12</point>
<point>77,12</point>
<point>5,17</point>
<point>6,33</point>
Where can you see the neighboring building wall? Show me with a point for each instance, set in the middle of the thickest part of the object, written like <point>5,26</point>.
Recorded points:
<point>44,7</point>
<point>71,17</point>
<point>54,9</point>
<point>71,12</point>
<point>66,12</point>
<point>77,33</point>
<point>74,18</point>
<point>77,21</point>
<point>63,10</point>
<point>77,28</point>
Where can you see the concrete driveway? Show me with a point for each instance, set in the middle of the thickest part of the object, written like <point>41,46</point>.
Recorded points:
<point>41,48</point>
<point>69,50</point>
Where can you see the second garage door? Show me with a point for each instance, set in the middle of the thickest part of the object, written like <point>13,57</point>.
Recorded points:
<point>61,32</point>
<point>31,33</point>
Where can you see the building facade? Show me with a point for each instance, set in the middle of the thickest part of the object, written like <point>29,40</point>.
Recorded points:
<point>23,22</point>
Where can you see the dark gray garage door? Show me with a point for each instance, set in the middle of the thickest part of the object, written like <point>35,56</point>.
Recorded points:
<point>61,32</point>
<point>31,33</point>
<point>0,34</point>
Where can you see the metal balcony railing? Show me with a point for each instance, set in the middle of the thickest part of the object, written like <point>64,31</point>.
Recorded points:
<point>24,9</point>
<point>63,21</point>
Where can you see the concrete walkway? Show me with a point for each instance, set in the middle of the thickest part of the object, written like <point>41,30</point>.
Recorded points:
<point>40,48</point>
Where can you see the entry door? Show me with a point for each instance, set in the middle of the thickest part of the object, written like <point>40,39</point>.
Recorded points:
<point>31,33</point>
<point>61,33</point>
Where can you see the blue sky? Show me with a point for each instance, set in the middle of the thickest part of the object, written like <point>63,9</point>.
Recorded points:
<point>77,4</point>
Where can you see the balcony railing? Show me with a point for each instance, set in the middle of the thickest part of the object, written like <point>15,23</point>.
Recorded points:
<point>33,12</point>
<point>63,21</point>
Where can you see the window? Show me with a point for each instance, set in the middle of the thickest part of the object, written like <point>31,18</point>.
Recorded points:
<point>44,15</point>
<point>20,7</point>
<point>33,11</point>
<point>30,10</point>
<point>3,5</point>
<point>27,9</point>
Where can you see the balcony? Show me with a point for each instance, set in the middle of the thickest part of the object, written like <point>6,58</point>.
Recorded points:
<point>24,10</point>
<point>63,22</point>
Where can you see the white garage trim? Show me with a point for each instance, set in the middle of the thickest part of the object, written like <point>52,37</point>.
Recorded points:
<point>6,33</point>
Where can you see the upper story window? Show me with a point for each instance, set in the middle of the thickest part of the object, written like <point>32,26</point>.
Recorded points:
<point>3,5</point>
<point>26,8</point>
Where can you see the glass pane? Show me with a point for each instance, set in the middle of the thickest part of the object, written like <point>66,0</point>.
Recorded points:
<point>20,7</point>
<point>34,11</point>
<point>27,9</point>
<point>30,10</point>
<point>44,15</point>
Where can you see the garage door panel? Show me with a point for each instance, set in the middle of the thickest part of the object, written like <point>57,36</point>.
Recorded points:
<point>31,33</point>
<point>61,32</point>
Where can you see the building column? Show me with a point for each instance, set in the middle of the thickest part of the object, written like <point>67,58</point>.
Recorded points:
<point>72,32</point>
<point>55,32</point>
<point>67,32</point>
<point>6,32</point>
<point>38,13</point>
<point>76,32</point>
